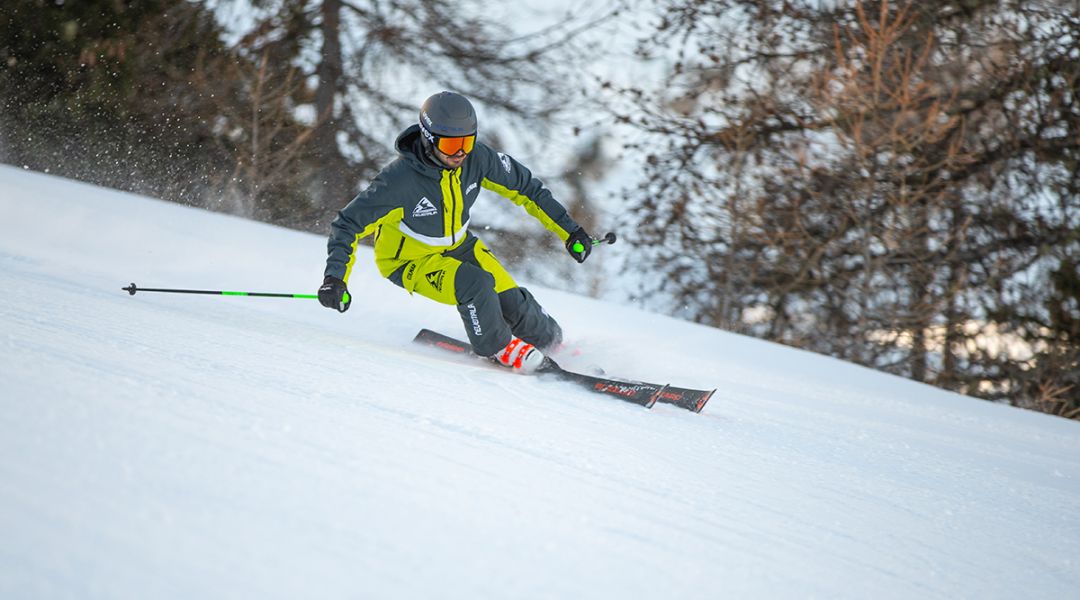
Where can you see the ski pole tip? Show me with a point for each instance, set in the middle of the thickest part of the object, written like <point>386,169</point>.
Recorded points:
<point>131,289</point>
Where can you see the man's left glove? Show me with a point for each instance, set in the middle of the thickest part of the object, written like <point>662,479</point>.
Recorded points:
<point>579,244</point>
<point>334,294</point>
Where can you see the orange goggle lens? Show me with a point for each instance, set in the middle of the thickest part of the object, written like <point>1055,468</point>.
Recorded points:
<point>451,145</point>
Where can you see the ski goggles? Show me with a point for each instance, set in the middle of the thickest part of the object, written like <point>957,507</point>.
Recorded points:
<point>452,145</point>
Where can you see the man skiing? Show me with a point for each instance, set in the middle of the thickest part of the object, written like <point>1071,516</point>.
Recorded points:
<point>418,207</point>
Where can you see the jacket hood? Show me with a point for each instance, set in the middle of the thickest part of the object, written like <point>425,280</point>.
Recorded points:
<point>411,149</point>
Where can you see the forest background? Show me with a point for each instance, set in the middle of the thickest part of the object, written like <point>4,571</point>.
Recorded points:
<point>894,184</point>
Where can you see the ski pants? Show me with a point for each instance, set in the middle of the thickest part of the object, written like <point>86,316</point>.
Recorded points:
<point>491,305</point>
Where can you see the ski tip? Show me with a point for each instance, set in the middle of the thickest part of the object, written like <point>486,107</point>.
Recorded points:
<point>660,392</point>
<point>704,399</point>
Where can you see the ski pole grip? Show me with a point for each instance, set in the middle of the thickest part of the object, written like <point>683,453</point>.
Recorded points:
<point>607,239</point>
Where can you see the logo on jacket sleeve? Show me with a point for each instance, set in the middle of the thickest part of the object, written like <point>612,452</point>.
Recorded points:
<point>505,160</point>
<point>424,208</point>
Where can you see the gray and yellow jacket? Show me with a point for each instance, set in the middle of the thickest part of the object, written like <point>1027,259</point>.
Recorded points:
<point>416,209</point>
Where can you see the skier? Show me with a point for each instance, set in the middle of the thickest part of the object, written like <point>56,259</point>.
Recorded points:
<point>418,207</point>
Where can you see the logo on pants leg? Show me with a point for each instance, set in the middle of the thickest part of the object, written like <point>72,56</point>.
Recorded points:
<point>435,278</point>
<point>475,319</point>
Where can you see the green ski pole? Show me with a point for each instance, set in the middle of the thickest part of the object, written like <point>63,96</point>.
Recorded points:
<point>131,289</point>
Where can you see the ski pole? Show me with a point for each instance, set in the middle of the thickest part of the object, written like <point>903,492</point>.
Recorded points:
<point>607,239</point>
<point>131,289</point>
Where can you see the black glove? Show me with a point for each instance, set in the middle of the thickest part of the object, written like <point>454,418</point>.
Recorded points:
<point>334,294</point>
<point>579,244</point>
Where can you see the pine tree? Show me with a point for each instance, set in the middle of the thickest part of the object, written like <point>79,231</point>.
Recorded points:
<point>101,91</point>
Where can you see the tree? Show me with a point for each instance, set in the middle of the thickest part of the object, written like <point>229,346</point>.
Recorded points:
<point>269,148</point>
<point>376,62</point>
<point>889,183</point>
<point>101,91</point>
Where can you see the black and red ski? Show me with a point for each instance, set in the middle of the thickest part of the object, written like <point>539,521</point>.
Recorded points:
<point>637,392</point>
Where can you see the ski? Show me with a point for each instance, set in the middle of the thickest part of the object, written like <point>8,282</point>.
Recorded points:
<point>637,392</point>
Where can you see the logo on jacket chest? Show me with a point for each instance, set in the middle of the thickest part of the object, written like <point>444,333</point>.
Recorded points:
<point>424,208</point>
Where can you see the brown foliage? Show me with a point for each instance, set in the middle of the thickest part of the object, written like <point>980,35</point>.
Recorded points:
<point>889,183</point>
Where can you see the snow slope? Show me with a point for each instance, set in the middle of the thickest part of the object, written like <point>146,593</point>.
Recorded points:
<point>163,446</point>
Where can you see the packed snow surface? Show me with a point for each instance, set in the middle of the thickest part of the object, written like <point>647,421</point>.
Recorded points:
<point>180,446</point>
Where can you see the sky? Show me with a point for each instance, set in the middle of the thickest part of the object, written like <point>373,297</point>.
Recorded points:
<point>178,446</point>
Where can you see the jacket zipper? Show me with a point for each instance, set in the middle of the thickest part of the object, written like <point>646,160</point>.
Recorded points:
<point>453,209</point>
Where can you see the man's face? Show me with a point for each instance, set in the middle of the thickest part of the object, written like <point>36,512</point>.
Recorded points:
<point>451,160</point>
<point>450,150</point>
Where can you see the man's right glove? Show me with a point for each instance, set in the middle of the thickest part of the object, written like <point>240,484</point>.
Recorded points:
<point>579,244</point>
<point>334,294</point>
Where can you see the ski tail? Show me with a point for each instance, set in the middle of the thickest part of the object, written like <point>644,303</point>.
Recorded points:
<point>432,338</point>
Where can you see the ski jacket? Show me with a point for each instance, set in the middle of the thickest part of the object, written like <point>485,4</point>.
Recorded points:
<point>416,209</point>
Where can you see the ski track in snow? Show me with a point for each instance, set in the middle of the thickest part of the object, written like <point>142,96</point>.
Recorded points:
<point>190,446</point>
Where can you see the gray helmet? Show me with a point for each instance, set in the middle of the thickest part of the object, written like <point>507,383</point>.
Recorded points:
<point>447,114</point>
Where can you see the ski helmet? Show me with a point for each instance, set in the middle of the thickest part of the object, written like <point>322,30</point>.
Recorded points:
<point>447,115</point>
